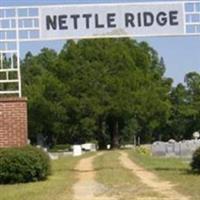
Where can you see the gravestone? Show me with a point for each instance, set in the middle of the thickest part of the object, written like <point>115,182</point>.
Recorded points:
<point>172,148</point>
<point>77,150</point>
<point>89,147</point>
<point>196,135</point>
<point>159,148</point>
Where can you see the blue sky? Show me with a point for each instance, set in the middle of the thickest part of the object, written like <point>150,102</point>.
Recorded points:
<point>181,54</point>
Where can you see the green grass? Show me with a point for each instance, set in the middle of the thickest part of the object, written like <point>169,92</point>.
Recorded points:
<point>57,187</point>
<point>174,170</point>
<point>119,181</point>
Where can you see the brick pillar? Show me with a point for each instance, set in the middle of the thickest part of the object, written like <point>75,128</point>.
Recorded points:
<point>13,122</point>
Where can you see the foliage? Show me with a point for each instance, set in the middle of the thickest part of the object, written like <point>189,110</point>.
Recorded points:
<point>95,90</point>
<point>185,112</point>
<point>143,150</point>
<point>58,186</point>
<point>195,164</point>
<point>19,165</point>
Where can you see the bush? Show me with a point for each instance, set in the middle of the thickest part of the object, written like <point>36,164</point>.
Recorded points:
<point>21,165</point>
<point>143,150</point>
<point>196,161</point>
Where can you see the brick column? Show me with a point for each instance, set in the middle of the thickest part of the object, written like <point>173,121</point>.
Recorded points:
<point>13,122</point>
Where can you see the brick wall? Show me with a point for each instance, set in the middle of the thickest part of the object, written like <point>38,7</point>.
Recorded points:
<point>13,122</point>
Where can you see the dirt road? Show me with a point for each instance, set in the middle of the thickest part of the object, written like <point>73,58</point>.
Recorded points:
<point>87,188</point>
<point>150,179</point>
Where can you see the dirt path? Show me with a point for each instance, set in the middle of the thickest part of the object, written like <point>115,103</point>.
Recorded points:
<point>86,187</point>
<point>162,187</point>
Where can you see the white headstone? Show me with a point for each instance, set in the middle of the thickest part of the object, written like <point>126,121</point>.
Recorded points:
<point>196,135</point>
<point>108,146</point>
<point>89,147</point>
<point>86,146</point>
<point>77,151</point>
<point>53,156</point>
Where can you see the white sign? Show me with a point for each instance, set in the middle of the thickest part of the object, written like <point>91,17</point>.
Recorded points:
<point>112,20</point>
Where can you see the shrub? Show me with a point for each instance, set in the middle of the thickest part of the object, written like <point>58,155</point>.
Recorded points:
<point>143,150</point>
<point>196,161</point>
<point>20,165</point>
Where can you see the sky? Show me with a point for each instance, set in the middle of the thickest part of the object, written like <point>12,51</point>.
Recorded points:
<point>181,54</point>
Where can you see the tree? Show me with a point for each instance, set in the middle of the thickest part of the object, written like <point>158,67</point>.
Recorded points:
<point>185,115</point>
<point>96,89</point>
<point>192,80</point>
<point>126,73</point>
<point>45,94</point>
<point>179,113</point>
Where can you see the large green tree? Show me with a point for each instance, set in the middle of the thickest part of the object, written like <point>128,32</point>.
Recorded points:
<point>101,89</point>
<point>185,112</point>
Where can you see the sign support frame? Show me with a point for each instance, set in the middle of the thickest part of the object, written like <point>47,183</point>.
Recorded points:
<point>24,22</point>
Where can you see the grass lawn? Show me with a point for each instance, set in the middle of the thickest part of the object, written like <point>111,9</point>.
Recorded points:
<point>119,181</point>
<point>57,187</point>
<point>174,170</point>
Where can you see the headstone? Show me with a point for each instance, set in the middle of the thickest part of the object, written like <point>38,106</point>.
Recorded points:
<point>40,140</point>
<point>138,141</point>
<point>77,150</point>
<point>129,146</point>
<point>89,147</point>
<point>108,146</point>
<point>28,141</point>
<point>93,148</point>
<point>196,135</point>
<point>177,148</point>
<point>45,149</point>
<point>186,150</point>
<point>159,148</point>
<point>172,148</point>
<point>53,156</point>
<point>172,141</point>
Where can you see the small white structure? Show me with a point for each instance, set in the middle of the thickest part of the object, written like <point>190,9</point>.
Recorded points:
<point>77,150</point>
<point>171,141</point>
<point>196,135</point>
<point>53,156</point>
<point>89,147</point>
<point>129,146</point>
<point>108,146</point>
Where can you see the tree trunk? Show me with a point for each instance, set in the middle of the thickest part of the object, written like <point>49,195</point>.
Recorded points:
<point>101,134</point>
<point>115,135</point>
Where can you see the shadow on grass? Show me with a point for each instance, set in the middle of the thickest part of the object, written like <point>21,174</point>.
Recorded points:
<point>167,169</point>
<point>192,172</point>
<point>95,169</point>
<point>180,171</point>
<point>170,169</point>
